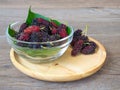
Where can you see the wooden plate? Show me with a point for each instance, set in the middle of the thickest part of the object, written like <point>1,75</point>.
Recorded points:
<point>65,68</point>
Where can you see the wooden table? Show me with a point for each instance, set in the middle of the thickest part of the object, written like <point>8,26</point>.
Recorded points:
<point>103,18</point>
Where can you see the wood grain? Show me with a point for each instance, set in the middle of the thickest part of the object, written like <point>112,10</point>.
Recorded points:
<point>59,3</point>
<point>104,25</point>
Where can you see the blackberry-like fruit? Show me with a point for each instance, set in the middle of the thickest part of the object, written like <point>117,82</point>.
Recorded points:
<point>62,26</point>
<point>45,29</point>
<point>31,29</point>
<point>45,22</point>
<point>89,48</point>
<point>36,21</point>
<point>36,37</point>
<point>53,24</point>
<point>39,37</point>
<point>24,37</point>
<point>73,42</point>
<point>54,31</point>
<point>52,38</point>
<point>39,21</point>
<point>77,47</point>
<point>45,39</point>
<point>83,37</point>
<point>62,33</point>
<point>45,35</point>
<point>22,27</point>
<point>93,44</point>
<point>77,33</point>
<point>75,39</point>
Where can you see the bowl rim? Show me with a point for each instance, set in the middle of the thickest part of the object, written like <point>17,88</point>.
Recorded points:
<point>70,35</point>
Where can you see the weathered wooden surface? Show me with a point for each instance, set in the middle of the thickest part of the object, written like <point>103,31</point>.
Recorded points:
<point>104,25</point>
<point>60,3</point>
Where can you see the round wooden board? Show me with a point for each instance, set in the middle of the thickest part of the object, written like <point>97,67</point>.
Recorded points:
<point>65,68</point>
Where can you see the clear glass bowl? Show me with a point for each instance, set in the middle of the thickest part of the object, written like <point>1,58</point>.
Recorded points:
<point>47,51</point>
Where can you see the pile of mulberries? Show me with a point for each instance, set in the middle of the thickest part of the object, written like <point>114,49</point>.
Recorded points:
<point>41,30</point>
<point>81,44</point>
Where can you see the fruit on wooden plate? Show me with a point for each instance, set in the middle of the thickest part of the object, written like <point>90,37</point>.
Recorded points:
<point>82,44</point>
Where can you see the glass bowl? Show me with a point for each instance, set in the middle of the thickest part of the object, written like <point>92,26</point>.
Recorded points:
<point>39,52</point>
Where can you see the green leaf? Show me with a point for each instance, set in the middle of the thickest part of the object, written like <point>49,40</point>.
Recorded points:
<point>11,32</point>
<point>32,15</point>
<point>56,22</point>
<point>68,30</point>
<point>38,52</point>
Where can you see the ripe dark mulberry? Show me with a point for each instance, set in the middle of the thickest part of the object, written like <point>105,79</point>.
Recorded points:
<point>54,24</point>
<point>62,26</point>
<point>24,37</point>
<point>52,38</point>
<point>77,33</point>
<point>36,21</point>
<point>77,47</point>
<point>74,41</point>
<point>93,44</point>
<point>22,27</point>
<point>89,48</point>
<point>54,31</point>
<point>31,29</point>
<point>35,37</point>
<point>62,33</point>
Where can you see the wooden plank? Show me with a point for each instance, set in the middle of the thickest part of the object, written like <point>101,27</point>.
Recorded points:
<point>60,3</point>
